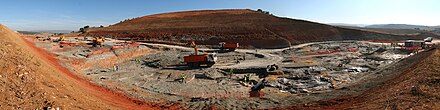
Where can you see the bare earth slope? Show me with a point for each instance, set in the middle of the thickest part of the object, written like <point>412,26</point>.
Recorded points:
<point>246,26</point>
<point>31,78</point>
<point>416,87</point>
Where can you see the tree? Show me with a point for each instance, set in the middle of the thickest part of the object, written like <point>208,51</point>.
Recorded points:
<point>262,11</point>
<point>84,29</point>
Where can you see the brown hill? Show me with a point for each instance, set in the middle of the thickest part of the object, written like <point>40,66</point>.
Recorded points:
<point>246,26</point>
<point>31,78</point>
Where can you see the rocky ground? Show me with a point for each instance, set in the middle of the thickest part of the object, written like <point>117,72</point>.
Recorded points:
<point>311,69</point>
<point>308,73</point>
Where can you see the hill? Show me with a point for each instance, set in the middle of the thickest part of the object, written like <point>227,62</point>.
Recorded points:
<point>248,27</point>
<point>403,26</point>
<point>390,30</point>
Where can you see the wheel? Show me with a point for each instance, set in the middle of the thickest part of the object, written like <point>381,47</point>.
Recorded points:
<point>190,64</point>
<point>210,64</point>
<point>193,65</point>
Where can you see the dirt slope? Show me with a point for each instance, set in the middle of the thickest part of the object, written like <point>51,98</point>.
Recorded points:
<point>248,27</point>
<point>417,87</point>
<point>31,78</point>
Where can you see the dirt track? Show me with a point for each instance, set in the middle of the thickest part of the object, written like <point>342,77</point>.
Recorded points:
<point>269,58</point>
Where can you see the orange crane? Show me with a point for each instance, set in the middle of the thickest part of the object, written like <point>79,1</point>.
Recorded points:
<point>196,60</point>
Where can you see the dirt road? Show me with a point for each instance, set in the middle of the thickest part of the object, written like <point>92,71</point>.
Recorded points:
<point>267,59</point>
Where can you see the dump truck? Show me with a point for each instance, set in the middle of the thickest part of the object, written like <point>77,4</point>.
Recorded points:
<point>196,60</point>
<point>228,46</point>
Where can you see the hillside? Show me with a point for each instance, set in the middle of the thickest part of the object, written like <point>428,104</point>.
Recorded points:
<point>32,79</point>
<point>402,26</point>
<point>389,30</point>
<point>245,26</point>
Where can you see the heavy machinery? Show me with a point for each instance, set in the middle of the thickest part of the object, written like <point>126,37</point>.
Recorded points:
<point>273,69</point>
<point>97,41</point>
<point>59,39</point>
<point>230,47</point>
<point>203,59</point>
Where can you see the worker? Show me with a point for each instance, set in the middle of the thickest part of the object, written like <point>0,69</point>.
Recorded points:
<point>115,67</point>
<point>138,60</point>
<point>182,78</point>
<point>244,56</point>
<point>416,50</point>
<point>246,77</point>
<point>231,71</point>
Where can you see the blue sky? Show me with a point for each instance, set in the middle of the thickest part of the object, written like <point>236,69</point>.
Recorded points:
<point>73,14</point>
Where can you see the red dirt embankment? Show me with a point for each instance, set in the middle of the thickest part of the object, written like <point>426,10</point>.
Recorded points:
<point>417,87</point>
<point>32,78</point>
<point>248,27</point>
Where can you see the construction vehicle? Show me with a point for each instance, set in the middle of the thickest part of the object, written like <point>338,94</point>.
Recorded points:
<point>203,59</point>
<point>270,68</point>
<point>256,89</point>
<point>97,41</point>
<point>230,47</point>
<point>273,70</point>
<point>59,39</point>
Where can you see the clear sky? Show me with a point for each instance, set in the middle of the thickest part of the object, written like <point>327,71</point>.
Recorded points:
<point>73,14</point>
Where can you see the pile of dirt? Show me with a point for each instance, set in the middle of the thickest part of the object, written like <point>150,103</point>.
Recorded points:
<point>32,79</point>
<point>248,27</point>
<point>417,87</point>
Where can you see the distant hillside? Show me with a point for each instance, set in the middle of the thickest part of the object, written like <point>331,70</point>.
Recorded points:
<point>248,27</point>
<point>403,26</point>
<point>390,30</point>
<point>347,24</point>
<point>28,32</point>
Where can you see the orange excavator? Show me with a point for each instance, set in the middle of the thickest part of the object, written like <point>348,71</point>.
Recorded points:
<point>203,59</point>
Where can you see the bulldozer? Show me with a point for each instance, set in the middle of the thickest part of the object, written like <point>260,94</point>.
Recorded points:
<point>97,41</point>
<point>197,60</point>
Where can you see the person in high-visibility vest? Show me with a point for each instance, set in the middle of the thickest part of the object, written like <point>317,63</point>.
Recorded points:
<point>182,78</point>
<point>246,77</point>
<point>416,50</point>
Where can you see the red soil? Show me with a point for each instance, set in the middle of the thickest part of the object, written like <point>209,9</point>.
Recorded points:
<point>248,27</point>
<point>109,96</point>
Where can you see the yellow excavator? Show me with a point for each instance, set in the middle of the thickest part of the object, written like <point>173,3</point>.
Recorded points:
<point>98,41</point>
<point>59,39</point>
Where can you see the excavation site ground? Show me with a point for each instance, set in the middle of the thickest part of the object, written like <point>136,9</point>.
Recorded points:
<point>157,72</point>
